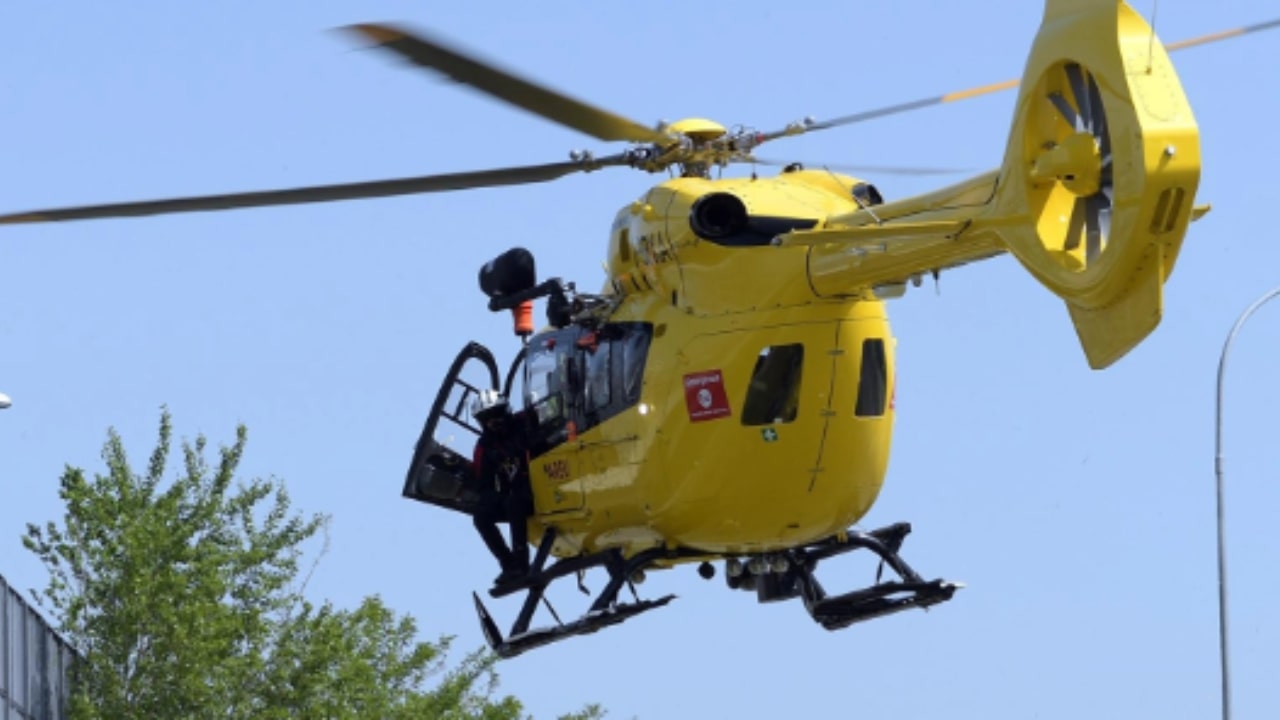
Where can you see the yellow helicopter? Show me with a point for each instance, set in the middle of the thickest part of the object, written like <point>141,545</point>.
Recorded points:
<point>729,394</point>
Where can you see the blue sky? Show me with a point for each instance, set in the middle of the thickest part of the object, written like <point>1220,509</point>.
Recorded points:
<point>1077,505</point>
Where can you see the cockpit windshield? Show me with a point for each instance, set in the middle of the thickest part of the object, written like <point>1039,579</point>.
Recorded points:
<point>547,381</point>
<point>577,378</point>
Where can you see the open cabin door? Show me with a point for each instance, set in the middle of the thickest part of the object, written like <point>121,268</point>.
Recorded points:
<point>441,471</point>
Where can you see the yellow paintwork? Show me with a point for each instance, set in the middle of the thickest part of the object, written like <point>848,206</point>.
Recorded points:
<point>697,129</point>
<point>650,476</point>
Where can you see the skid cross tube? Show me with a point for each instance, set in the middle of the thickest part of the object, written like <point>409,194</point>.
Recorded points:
<point>832,612</point>
<point>605,610</point>
<point>884,542</point>
<point>883,598</point>
<point>536,590</point>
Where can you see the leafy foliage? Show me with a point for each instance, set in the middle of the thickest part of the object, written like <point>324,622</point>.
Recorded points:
<point>185,601</point>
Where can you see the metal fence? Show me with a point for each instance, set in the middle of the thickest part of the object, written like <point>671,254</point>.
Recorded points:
<point>34,662</point>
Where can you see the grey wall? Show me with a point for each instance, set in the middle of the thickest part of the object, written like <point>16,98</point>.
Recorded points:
<point>33,662</point>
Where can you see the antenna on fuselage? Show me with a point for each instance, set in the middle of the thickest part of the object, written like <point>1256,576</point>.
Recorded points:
<point>1151,42</point>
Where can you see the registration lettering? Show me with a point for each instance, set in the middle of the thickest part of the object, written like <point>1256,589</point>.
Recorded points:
<point>556,469</point>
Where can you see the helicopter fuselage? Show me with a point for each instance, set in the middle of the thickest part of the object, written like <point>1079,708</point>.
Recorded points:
<point>730,393</point>
<point>763,415</point>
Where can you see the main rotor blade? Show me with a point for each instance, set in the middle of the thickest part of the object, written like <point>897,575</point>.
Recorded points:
<point>845,167</point>
<point>319,193</point>
<point>809,126</point>
<point>435,54</point>
<point>1221,35</point>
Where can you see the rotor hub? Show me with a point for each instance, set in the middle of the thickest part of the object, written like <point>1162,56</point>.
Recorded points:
<point>699,130</point>
<point>1076,162</point>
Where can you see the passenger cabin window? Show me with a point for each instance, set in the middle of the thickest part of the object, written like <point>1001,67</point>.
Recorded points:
<point>773,395</point>
<point>577,378</point>
<point>873,380</point>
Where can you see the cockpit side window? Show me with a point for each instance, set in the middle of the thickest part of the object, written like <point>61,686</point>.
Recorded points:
<point>599,379</point>
<point>546,384</point>
<point>634,348</point>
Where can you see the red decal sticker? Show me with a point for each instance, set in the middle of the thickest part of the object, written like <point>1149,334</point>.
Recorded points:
<point>704,396</point>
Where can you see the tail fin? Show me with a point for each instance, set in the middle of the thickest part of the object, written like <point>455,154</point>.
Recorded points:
<point>1100,173</point>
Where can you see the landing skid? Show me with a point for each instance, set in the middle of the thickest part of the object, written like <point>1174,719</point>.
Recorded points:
<point>605,609</point>
<point>780,576</point>
<point>834,612</point>
<point>842,610</point>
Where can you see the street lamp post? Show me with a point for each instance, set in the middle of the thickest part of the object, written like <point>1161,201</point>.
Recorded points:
<point>1218,469</point>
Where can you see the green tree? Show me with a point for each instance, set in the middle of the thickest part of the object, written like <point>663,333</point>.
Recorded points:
<point>186,600</point>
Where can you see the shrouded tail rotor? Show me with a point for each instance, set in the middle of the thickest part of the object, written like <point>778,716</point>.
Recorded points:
<point>1103,162</point>
<point>1094,186</point>
<point>1094,196</point>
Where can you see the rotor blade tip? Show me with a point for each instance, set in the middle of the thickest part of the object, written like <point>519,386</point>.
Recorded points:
<point>381,34</point>
<point>22,218</point>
